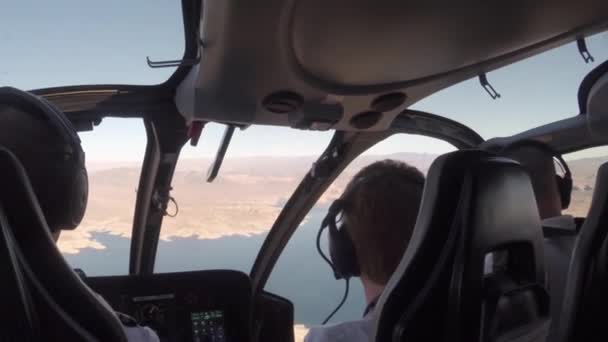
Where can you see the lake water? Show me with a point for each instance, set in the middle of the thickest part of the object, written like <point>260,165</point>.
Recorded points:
<point>300,274</point>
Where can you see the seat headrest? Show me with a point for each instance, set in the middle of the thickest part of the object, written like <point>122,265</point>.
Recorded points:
<point>474,205</point>
<point>588,83</point>
<point>597,106</point>
<point>65,303</point>
<point>37,124</point>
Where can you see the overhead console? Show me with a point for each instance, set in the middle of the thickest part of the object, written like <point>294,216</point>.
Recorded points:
<point>357,64</point>
<point>202,306</point>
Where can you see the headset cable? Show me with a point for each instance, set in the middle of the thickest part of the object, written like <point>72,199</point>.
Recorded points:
<point>346,287</point>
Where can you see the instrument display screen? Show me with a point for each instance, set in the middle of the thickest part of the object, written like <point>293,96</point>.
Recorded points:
<point>208,326</point>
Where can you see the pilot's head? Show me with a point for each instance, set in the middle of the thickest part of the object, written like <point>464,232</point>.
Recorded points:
<point>47,146</point>
<point>382,205</point>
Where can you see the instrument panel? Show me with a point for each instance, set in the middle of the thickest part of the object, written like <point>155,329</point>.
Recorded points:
<point>201,306</point>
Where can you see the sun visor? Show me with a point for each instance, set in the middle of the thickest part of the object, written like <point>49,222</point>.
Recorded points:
<point>597,107</point>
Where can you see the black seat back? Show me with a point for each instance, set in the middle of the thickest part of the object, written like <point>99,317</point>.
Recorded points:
<point>473,270</point>
<point>67,309</point>
<point>560,240</point>
<point>19,319</point>
<point>583,309</point>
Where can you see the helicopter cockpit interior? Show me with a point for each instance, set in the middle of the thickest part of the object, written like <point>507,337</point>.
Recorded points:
<point>286,99</point>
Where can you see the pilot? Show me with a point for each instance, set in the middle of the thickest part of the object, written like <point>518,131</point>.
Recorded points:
<point>37,144</point>
<point>370,226</point>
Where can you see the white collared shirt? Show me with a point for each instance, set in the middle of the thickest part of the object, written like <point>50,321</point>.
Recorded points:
<point>135,333</point>
<point>355,331</point>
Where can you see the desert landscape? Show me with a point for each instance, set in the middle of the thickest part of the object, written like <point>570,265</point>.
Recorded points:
<point>584,172</point>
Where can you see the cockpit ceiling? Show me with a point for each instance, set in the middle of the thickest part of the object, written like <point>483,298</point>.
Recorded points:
<point>355,64</point>
<point>361,43</point>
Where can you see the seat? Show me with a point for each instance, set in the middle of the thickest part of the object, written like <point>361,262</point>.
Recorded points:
<point>47,287</point>
<point>20,323</point>
<point>582,316</point>
<point>474,268</point>
<point>560,239</point>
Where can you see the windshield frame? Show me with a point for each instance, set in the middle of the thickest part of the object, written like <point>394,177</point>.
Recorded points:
<point>167,133</point>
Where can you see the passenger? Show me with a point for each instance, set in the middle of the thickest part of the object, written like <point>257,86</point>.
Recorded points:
<point>538,160</point>
<point>37,144</point>
<point>379,209</point>
<point>541,168</point>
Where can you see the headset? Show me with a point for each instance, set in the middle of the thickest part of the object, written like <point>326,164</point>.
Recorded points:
<point>564,183</point>
<point>65,199</point>
<point>342,255</point>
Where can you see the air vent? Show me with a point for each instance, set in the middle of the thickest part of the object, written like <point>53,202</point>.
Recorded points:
<point>282,102</point>
<point>388,102</point>
<point>366,119</point>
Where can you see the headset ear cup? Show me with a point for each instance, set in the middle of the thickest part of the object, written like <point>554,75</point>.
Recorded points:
<point>79,198</point>
<point>564,185</point>
<point>56,195</point>
<point>351,264</point>
<point>342,253</point>
<point>71,196</point>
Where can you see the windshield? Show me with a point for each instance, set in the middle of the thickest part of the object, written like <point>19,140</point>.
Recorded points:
<point>534,92</point>
<point>114,155</point>
<point>223,224</point>
<point>70,42</point>
<point>218,225</point>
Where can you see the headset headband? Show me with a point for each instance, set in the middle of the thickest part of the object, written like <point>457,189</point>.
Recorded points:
<point>39,104</point>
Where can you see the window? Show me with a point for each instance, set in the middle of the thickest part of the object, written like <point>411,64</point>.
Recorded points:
<point>535,91</point>
<point>114,153</point>
<point>584,165</point>
<point>224,223</point>
<point>302,276</point>
<point>71,42</point>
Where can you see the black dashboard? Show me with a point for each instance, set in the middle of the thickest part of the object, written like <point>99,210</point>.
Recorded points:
<point>201,306</point>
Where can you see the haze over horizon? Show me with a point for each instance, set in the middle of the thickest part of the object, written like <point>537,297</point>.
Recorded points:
<point>244,200</point>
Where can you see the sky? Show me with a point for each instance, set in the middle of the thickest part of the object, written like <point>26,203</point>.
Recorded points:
<point>75,42</point>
